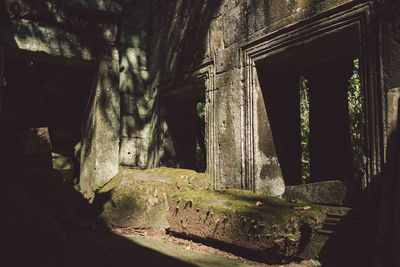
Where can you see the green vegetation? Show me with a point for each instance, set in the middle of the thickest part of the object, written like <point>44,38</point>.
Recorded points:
<point>316,262</point>
<point>200,154</point>
<point>355,104</point>
<point>304,129</point>
<point>242,203</point>
<point>356,119</point>
<point>201,109</point>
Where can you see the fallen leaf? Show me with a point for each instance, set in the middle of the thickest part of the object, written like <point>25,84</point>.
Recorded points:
<point>259,203</point>
<point>303,208</point>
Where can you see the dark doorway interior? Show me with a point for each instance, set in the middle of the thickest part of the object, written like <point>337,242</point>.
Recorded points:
<point>330,146</point>
<point>39,94</point>
<point>185,116</point>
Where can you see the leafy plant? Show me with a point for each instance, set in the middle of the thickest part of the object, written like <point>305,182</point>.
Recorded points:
<point>201,109</point>
<point>356,120</point>
<point>200,153</point>
<point>304,129</point>
<point>315,262</point>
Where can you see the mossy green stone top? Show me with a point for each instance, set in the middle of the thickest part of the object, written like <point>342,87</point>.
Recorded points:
<point>243,202</point>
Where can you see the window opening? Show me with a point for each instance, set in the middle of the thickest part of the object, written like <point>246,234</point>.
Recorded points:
<point>355,120</point>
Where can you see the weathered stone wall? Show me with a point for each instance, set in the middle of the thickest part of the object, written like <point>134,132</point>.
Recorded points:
<point>75,33</point>
<point>163,54</point>
<point>185,36</point>
<point>388,237</point>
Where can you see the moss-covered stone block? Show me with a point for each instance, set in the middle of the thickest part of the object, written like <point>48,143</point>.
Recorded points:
<point>267,228</point>
<point>137,198</point>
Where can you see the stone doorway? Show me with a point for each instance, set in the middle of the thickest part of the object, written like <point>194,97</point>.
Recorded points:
<point>185,117</point>
<point>273,67</point>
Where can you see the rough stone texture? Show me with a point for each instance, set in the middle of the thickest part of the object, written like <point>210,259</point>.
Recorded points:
<point>228,25</point>
<point>33,37</point>
<point>34,141</point>
<point>135,198</point>
<point>65,166</point>
<point>269,229</point>
<point>33,148</point>
<point>326,193</point>
<point>56,35</point>
<point>163,42</point>
<point>96,5</point>
<point>267,167</point>
<point>388,234</point>
<point>101,136</point>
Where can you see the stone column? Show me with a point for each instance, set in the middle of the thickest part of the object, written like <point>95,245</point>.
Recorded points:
<point>138,90</point>
<point>278,119</point>
<point>330,146</point>
<point>101,129</point>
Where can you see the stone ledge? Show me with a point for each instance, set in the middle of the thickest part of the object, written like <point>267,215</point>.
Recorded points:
<point>34,37</point>
<point>333,192</point>
<point>266,228</point>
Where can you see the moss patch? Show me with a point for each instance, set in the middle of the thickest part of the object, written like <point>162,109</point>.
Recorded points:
<point>266,228</point>
<point>136,198</point>
<point>244,202</point>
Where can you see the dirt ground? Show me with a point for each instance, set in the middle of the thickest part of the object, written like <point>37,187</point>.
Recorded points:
<point>162,235</point>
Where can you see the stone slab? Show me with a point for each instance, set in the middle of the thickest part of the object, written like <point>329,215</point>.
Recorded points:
<point>327,193</point>
<point>37,38</point>
<point>265,228</point>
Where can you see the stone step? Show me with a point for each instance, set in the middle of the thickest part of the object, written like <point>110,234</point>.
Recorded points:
<point>333,233</point>
<point>352,229</point>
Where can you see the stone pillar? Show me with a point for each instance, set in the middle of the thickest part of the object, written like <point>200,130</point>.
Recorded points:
<point>101,129</point>
<point>138,92</point>
<point>387,249</point>
<point>278,119</point>
<point>330,146</point>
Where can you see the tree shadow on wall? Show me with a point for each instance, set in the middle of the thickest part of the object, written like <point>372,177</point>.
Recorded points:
<point>181,46</point>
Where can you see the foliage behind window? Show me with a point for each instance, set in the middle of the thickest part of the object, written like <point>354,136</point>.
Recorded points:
<point>355,99</point>
<point>304,129</point>
<point>355,102</point>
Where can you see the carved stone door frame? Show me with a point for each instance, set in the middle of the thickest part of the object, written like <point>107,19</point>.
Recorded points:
<point>305,32</point>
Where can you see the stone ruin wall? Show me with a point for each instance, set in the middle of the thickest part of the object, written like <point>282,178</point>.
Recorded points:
<point>151,55</point>
<point>223,32</point>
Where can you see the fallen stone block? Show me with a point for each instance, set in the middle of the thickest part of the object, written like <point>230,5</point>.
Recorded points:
<point>136,198</point>
<point>34,141</point>
<point>265,228</point>
<point>333,192</point>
